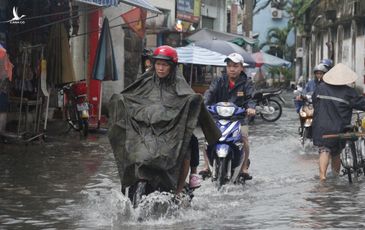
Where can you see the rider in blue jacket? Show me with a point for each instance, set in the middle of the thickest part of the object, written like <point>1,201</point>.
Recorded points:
<point>235,87</point>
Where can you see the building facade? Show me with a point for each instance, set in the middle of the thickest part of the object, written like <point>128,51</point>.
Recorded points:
<point>332,29</point>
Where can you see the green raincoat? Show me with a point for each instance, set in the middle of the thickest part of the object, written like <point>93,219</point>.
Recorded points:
<point>151,123</point>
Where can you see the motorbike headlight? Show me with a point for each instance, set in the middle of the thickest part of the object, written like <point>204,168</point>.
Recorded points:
<point>222,150</point>
<point>225,111</point>
<point>302,113</point>
<point>363,123</point>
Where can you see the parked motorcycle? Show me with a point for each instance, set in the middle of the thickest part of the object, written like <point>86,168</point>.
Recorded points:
<point>76,107</point>
<point>306,118</point>
<point>226,157</point>
<point>267,105</point>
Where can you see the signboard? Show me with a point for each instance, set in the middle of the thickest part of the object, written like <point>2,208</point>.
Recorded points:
<point>188,10</point>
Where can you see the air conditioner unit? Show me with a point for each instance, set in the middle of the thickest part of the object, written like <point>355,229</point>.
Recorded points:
<point>276,13</point>
<point>299,52</point>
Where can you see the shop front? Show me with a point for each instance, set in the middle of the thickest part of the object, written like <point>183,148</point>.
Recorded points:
<point>37,41</point>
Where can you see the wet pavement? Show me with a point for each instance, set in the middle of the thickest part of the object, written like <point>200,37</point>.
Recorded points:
<point>68,183</point>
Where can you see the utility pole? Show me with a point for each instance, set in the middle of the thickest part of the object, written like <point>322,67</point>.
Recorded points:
<point>247,18</point>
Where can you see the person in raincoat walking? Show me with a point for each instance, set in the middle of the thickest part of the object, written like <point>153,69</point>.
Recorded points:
<point>333,102</point>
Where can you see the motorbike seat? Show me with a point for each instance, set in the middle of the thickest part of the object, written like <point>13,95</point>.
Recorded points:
<point>257,96</point>
<point>264,92</point>
<point>268,91</point>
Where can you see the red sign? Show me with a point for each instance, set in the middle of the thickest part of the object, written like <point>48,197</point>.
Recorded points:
<point>136,20</point>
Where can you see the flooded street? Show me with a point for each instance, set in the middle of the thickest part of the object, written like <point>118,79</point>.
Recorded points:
<point>75,185</point>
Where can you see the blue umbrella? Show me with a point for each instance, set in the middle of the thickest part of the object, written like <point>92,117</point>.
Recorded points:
<point>104,67</point>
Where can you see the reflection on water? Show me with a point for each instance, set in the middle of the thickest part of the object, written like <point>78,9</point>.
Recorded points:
<point>336,203</point>
<point>75,185</point>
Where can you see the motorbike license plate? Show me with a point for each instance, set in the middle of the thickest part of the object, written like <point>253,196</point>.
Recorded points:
<point>82,106</point>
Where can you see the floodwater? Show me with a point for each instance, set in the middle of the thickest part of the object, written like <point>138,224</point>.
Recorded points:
<point>74,185</point>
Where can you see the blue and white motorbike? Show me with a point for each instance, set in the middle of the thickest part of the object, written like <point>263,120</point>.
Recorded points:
<point>226,156</point>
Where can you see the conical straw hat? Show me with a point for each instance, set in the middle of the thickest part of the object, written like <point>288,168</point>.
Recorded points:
<point>340,74</point>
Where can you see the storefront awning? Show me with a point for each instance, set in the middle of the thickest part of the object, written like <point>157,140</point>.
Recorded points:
<point>138,3</point>
<point>143,4</point>
<point>101,2</point>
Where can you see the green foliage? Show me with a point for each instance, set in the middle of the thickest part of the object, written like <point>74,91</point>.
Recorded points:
<point>296,10</point>
<point>288,74</point>
<point>276,40</point>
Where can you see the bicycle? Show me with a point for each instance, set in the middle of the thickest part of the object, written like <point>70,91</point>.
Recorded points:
<point>353,154</point>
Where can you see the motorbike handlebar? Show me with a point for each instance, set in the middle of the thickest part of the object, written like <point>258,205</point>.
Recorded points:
<point>233,118</point>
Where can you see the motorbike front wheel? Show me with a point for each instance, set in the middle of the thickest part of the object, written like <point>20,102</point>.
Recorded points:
<point>72,116</point>
<point>221,174</point>
<point>271,110</point>
<point>304,136</point>
<point>139,189</point>
<point>85,127</point>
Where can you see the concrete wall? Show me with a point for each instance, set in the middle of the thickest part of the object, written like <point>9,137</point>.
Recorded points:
<point>79,46</point>
<point>218,11</point>
<point>360,68</point>
<point>111,87</point>
<point>167,5</point>
<point>263,22</point>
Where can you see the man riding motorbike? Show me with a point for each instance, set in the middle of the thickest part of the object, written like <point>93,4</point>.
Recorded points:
<point>234,86</point>
<point>319,70</point>
<point>152,123</point>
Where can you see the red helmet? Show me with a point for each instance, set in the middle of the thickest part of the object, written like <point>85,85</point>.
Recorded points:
<point>165,53</point>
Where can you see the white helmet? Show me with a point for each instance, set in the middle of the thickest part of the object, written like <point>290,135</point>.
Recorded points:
<point>320,67</point>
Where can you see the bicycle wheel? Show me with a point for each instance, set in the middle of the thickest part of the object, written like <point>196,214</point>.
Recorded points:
<point>361,154</point>
<point>272,110</point>
<point>349,159</point>
<point>354,158</point>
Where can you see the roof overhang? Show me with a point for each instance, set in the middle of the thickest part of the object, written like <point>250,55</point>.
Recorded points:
<point>100,2</point>
<point>142,4</point>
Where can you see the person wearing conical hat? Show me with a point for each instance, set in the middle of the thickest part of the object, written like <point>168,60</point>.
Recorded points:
<point>333,102</point>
